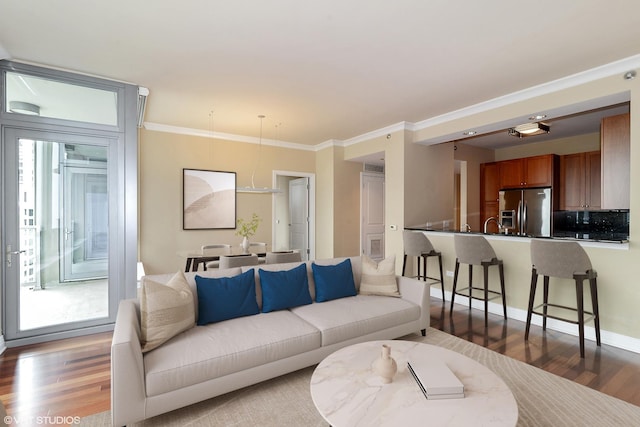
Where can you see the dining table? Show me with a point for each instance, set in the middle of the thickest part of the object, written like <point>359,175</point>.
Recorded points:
<point>194,258</point>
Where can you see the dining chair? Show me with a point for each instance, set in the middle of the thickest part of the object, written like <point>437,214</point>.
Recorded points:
<point>229,261</point>
<point>475,250</point>
<point>418,245</point>
<point>283,256</point>
<point>214,249</point>
<point>566,260</point>
<point>258,248</point>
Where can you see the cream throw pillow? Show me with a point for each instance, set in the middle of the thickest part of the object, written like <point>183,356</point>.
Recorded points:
<point>165,310</point>
<point>379,278</point>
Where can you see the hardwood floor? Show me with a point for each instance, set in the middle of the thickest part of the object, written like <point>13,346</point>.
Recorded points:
<point>66,378</point>
<point>70,378</point>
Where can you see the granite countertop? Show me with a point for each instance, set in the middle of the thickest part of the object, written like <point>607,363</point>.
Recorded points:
<point>581,237</point>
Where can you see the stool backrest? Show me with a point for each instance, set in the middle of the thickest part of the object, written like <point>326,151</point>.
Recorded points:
<point>559,258</point>
<point>472,249</point>
<point>416,243</point>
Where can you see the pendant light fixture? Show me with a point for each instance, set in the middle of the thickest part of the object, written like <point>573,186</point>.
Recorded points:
<point>253,188</point>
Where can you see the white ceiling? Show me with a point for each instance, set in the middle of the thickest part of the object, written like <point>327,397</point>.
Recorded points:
<point>320,70</point>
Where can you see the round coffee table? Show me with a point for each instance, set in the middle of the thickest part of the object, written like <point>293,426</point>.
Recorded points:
<point>347,392</point>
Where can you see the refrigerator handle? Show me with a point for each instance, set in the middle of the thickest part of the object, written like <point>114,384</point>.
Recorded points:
<point>519,230</point>
<point>524,219</point>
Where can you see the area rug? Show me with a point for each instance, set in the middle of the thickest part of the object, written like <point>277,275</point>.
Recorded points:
<point>544,399</point>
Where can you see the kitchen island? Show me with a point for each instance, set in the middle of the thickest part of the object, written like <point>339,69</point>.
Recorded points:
<point>609,259</point>
<point>584,238</point>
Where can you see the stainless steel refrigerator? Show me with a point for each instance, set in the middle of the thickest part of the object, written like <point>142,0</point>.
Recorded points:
<point>527,212</point>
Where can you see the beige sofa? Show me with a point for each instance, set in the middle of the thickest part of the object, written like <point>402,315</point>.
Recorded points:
<point>207,361</point>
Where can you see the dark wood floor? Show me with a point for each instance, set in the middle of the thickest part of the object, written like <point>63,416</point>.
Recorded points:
<point>70,378</point>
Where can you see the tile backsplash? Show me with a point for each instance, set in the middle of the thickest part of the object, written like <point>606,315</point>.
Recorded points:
<point>599,225</point>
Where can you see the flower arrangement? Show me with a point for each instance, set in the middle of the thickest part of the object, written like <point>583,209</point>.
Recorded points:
<point>248,228</point>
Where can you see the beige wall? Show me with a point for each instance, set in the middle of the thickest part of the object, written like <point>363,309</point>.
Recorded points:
<point>346,214</point>
<point>325,202</point>
<point>473,156</point>
<point>162,158</point>
<point>428,178</point>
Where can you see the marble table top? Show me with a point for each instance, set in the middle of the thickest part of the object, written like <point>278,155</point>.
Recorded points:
<point>347,392</point>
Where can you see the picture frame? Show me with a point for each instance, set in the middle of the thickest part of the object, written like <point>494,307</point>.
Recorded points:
<point>208,199</point>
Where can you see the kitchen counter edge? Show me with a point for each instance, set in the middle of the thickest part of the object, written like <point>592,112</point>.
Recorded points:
<point>610,244</point>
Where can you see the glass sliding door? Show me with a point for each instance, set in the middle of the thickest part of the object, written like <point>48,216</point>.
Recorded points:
<point>57,222</point>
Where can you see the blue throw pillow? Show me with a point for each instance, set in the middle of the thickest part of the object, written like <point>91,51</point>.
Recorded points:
<point>284,289</point>
<point>225,298</point>
<point>333,281</point>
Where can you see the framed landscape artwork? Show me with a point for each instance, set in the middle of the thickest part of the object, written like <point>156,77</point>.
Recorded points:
<point>209,199</point>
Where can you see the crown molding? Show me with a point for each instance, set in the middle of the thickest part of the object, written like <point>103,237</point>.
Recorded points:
<point>603,71</point>
<point>158,127</point>
<point>402,126</point>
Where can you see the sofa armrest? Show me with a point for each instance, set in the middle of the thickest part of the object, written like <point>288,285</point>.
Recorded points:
<point>127,367</point>
<point>417,292</point>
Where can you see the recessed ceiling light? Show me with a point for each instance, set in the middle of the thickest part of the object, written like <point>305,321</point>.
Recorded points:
<point>469,133</point>
<point>538,117</point>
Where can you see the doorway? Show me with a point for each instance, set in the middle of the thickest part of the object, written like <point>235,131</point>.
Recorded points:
<point>372,214</point>
<point>56,232</point>
<point>294,213</point>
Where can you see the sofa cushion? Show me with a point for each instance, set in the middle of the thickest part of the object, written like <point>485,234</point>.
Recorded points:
<point>379,278</point>
<point>345,318</point>
<point>218,349</point>
<point>284,289</point>
<point>165,310</point>
<point>191,279</point>
<point>226,298</point>
<point>333,281</point>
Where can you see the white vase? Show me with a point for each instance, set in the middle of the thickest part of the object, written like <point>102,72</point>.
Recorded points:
<point>245,245</point>
<point>385,366</point>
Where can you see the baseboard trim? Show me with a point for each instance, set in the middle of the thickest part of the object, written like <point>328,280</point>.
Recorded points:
<point>610,338</point>
<point>59,335</point>
<point>3,346</point>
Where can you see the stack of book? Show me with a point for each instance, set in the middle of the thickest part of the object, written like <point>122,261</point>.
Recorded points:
<point>436,380</point>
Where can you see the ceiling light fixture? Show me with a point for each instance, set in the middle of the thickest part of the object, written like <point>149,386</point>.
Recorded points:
<point>253,188</point>
<point>529,129</point>
<point>24,108</point>
<point>629,75</point>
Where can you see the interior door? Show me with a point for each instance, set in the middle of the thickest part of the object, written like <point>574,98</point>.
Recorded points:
<point>299,216</point>
<point>372,209</point>
<point>36,167</point>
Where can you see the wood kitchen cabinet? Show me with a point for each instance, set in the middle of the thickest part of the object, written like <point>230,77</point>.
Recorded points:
<point>580,181</point>
<point>536,171</point>
<point>615,151</point>
<point>489,192</point>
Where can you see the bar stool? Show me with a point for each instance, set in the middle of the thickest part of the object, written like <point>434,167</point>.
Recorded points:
<point>568,260</point>
<point>418,245</point>
<point>475,250</point>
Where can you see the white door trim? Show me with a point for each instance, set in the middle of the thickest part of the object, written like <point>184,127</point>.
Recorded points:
<point>312,206</point>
